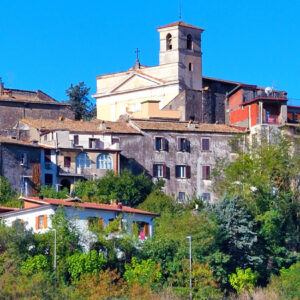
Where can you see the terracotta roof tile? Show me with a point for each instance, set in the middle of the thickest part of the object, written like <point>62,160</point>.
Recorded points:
<point>6,140</point>
<point>80,126</point>
<point>184,127</point>
<point>180,23</point>
<point>91,205</point>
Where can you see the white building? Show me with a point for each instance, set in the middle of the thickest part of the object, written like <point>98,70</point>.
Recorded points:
<point>180,67</point>
<point>37,213</point>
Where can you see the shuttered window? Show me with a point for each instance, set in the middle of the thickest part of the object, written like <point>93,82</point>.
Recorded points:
<point>161,144</point>
<point>205,172</point>
<point>41,222</point>
<point>182,171</point>
<point>205,144</point>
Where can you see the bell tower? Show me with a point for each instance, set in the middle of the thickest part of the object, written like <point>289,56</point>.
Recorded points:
<point>180,46</point>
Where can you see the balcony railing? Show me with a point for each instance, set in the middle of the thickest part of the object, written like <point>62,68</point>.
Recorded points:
<point>84,172</point>
<point>272,119</point>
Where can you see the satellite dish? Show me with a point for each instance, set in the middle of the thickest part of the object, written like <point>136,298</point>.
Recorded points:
<point>268,90</point>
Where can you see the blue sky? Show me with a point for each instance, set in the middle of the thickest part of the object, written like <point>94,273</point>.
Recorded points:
<point>48,45</point>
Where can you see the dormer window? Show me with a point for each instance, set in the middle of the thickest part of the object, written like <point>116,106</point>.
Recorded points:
<point>189,42</point>
<point>169,41</point>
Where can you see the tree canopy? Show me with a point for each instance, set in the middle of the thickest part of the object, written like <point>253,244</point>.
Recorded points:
<point>83,107</point>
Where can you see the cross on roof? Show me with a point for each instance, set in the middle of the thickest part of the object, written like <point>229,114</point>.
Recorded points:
<point>137,51</point>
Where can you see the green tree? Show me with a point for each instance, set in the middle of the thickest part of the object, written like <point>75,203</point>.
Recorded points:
<point>127,188</point>
<point>238,234</point>
<point>50,192</point>
<point>266,179</point>
<point>144,272</point>
<point>82,263</point>
<point>8,196</point>
<point>83,107</point>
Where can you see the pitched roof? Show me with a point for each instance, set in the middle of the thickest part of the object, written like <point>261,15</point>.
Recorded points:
<point>4,209</point>
<point>15,95</point>
<point>7,140</point>
<point>180,23</point>
<point>185,127</point>
<point>80,126</point>
<point>89,205</point>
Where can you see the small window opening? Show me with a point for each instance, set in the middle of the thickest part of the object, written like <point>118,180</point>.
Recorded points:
<point>189,42</point>
<point>169,41</point>
<point>190,67</point>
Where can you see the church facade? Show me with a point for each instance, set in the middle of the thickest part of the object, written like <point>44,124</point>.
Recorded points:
<point>180,68</point>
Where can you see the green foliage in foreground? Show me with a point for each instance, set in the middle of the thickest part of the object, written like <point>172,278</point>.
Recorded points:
<point>126,188</point>
<point>50,192</point>
<point>243,280</point>
<point>8,196</point>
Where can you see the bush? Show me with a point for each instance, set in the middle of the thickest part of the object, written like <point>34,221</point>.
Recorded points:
<point>50,192</point>
<point>243,280</point>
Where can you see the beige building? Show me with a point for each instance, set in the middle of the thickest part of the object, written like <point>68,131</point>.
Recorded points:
<point>180,68</point>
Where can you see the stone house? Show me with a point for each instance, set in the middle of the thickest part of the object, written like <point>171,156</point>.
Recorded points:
<point>181,153</point>
<point>20,164</point>
<point>17,104</point>
<point>76,150</point>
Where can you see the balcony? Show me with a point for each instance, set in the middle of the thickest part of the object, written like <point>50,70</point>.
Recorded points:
<point>76,172</point>
<point>272,119</point>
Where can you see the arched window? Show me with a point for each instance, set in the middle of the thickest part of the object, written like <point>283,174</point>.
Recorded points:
<point>169,41</point>
<point>104,162</point>
<point>83,161</point>
<point>189,42</point>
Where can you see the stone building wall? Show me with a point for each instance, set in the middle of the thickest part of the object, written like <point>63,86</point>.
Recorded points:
<point>11,112</point>
<point>12,168</point>
<point>139,154</point>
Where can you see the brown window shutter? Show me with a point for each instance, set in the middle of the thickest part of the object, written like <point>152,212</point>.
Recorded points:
<point>176,171</point>
<point>45,221</point>
<point>164,171</point>
<point>146,229</point>
<point>102,223</point>
<point>36,223</point>
<point>208,172</point>
<point>179,144</point>
<point>203,172</point>
<point>166,144</point>
<point>187,146</point>
<point>188,172</point>
<point>154,174</point>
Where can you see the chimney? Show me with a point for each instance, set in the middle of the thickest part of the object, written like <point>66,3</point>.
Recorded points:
<point>102,125</point>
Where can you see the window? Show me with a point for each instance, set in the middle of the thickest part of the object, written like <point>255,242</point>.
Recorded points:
<point>181,196</point>
<point>205,144</point>
<point>95,223</point>
<point>182,171</point>
<point>159,170</point>
<point>206,197</point>
<point>48,179</point>
<point>169,41</point>
<point>234,145</point>
<point>161,144</point>
<point>189,42</point>
<point>83,161</point>
<point>115,140</point>
<point>143,229</point>
<point>94,144</point>
<point>23,159</point>
<point>190,67</point>
<point>76,139</point>
<point>184,145</point>
<point>205,172</point>
<point>41,222</point>
<point>47,155</point>
<point>104,162</point>
<point>67,161</point>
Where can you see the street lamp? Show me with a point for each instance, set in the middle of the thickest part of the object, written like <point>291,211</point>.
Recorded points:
<point>54,257</point>
<point>190,246</point>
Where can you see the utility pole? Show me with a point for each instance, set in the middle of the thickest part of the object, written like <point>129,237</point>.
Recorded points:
<point>190,246</point>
